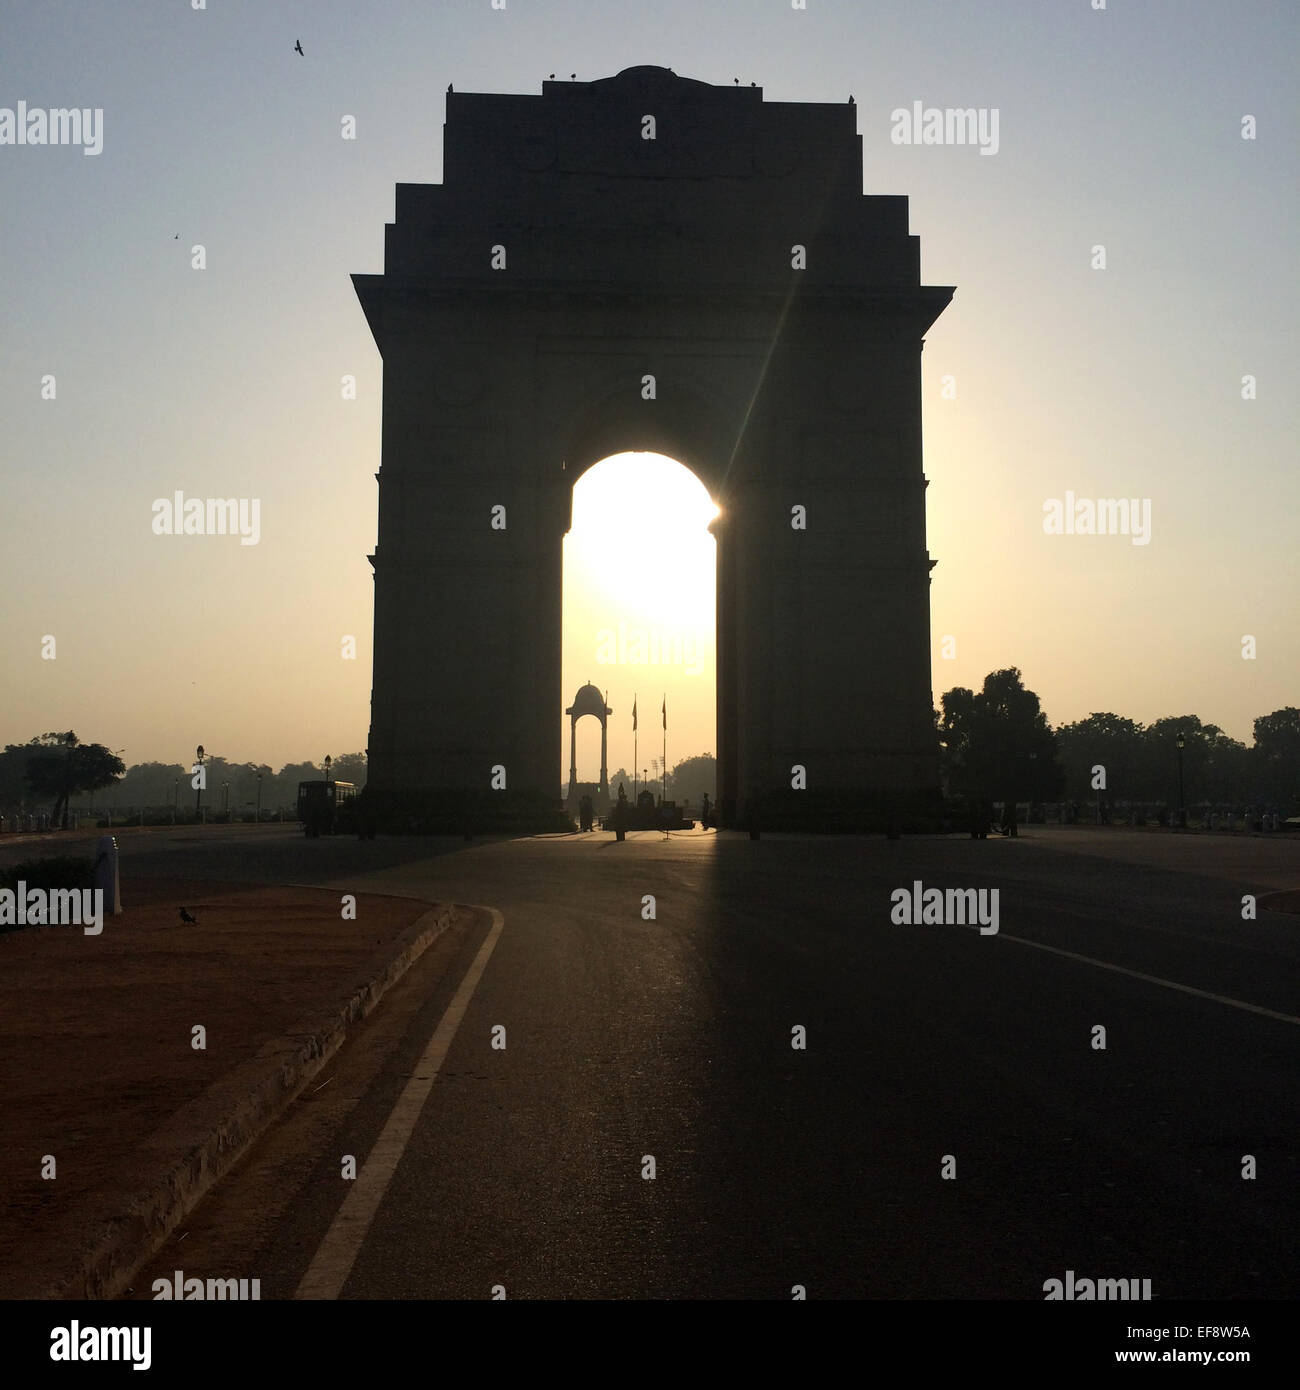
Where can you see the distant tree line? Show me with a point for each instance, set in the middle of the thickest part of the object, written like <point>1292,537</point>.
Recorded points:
<point>56,771</point>
<point>997,744</point>
<point>687,782</point>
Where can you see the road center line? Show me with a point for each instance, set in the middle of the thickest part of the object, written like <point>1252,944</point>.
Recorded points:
<point>1152,979</point>
<point>333,1262</point>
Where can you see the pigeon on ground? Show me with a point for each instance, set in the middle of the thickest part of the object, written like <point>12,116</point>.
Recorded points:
<point>186,917</point>
<point>297,48</point>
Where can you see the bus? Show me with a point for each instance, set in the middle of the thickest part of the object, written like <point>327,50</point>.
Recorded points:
<point>323,806</point>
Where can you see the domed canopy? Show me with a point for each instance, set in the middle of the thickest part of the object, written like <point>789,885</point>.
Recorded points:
<point>588,700</point>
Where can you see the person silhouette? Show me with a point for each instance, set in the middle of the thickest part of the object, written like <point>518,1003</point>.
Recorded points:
<point>705,808</point>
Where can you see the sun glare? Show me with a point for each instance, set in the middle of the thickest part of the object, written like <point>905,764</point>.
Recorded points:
<point>639,583</point>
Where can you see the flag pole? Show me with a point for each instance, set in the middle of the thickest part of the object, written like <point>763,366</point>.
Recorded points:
<point>635,764</point>
<point>665,796</point>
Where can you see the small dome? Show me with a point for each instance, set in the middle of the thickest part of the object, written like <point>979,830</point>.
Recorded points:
<point>647,75</point>
<point>589,700</point>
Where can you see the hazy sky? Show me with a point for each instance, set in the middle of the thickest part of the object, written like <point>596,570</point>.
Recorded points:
<point>1119,128</point>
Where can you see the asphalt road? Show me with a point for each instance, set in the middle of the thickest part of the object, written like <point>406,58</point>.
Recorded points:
<point>524,1169</point>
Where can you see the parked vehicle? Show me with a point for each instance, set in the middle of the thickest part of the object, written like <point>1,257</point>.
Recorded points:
<point>324,808</point>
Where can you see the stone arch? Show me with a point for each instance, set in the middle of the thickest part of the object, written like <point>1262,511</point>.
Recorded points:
<point>504,380</point>
<point>684,423</point>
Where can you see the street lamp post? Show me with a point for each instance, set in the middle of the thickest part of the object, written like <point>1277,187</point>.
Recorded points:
<point>1181,742</point>
<point>71,740</point>
<point>259,798</point>
<point>225,800</point>
<point>198,791</point>
<point>176,799</point>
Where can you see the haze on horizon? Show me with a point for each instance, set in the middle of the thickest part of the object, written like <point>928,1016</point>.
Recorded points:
<point>1044,377</point>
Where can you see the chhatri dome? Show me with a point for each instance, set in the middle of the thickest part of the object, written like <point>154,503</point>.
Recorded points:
<point>588,700</point>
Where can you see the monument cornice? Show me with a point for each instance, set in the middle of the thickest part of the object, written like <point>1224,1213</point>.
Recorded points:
<point>922,303</point>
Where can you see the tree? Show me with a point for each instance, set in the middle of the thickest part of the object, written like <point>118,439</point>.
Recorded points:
<point>998,745</point>
<point>1141,763</point>
<point>694,776</point>
<point>15,790</point>
<point>624,776</point>
<point>1277,757</point>
<point>285,783</point>
<point>1107,741</point>
<point>351,767</point>
<point>1228,772</point>
<point>1162,759</point>
<point>151,784</point>
<point>60,766</point>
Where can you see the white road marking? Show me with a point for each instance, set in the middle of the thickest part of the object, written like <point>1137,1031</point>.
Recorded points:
<point>1153,979</point>
<point>333,1262</point>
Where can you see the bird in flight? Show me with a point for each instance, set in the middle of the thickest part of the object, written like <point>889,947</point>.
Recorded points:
<point>297,48</point>
<point>186,917</point>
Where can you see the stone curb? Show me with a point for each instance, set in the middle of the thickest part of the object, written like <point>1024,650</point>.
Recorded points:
<point>232,1114</point>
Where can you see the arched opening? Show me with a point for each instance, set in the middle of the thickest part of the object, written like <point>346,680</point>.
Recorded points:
<point>639,620</point>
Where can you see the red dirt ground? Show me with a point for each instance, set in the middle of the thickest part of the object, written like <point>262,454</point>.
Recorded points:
<point>95,1036</point>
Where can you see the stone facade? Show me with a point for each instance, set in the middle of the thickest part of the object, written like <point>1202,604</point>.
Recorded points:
<point>566,258</point>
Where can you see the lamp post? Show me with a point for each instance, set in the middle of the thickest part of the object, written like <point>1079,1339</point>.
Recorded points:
<point>225,800</point>
<point>176,799</point>
<point>329,762</point>
<point>71,740</point>
<point>259,798</point>
<point>1181,743</point>
<point>198,791</point>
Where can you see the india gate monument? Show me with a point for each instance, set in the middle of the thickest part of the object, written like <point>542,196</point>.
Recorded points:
<point>648,262</point>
